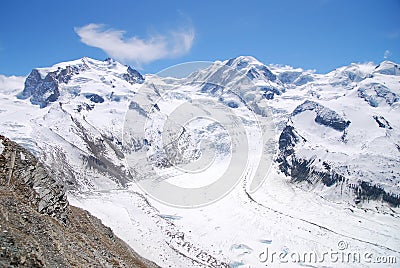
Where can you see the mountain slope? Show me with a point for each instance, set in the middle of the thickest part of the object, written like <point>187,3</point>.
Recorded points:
<point>40,229</point>
<point>344,126</point>
<point>347,139</point>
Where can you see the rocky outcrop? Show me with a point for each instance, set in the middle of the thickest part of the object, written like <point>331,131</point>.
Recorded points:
<point>43,90</point>
<point>324,116</point>
<point>93,97</point>
<point>132,76</point>
<point>43,87</point>
<point>305,169</point>
<point>375,94</point>
<point>300,169</point>
<point>19,169</point>
<point>39,229</point>
<point>260,72</point>
<point>382,122</point>
<point>366,191</point>
<point>270,92</point>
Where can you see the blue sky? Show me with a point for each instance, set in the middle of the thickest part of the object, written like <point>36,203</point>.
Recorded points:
<point>153,35</point>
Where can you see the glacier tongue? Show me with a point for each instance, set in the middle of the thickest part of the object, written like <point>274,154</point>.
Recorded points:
<point>334,178</point>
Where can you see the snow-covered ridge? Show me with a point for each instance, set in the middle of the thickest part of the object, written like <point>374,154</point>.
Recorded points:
<point>388,68</point>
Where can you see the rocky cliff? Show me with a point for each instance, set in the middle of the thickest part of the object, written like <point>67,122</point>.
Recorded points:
<point>38,228</point>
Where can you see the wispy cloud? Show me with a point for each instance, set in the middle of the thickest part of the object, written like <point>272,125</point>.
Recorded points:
<point>387,54</point>
<point>134,49</point>
<point>394,34</point>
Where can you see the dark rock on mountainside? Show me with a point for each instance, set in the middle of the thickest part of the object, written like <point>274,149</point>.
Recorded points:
<point>19,169</point>
<point>259,72</point>
<point>366,191</point>
<point>288,140</point>
<point>94,97</point>
<point>270,92</point>
<point>39,229</point>
<point>382,122</point>
<point>324,116</point>
<point>42,91</point>
<point>375,94</point>
<point>132,76</point>
<point>303,170</point>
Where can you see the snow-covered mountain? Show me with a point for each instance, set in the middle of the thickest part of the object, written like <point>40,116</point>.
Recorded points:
<point>344,133</point>
<point>333,146</point>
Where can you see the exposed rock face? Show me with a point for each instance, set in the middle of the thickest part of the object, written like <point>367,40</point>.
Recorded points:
<point>376,94</point>
<point>132,76</point>
<point>20,169</point>
<point>39,229</point>
<point>261,71</point>
<point>45,86</point>
<point>382,122</point>
<point>270,92</point>
<point>94,97</point>
<point>288,140</point>
<point>42,91</point>
<point>309,170</point>
<point>325,116</point>
<point>302,169</point>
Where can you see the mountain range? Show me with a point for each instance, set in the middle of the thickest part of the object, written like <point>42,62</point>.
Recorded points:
<point>330,161</point>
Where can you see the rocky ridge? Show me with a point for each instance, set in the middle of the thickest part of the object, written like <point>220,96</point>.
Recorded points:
<point>38,228</point>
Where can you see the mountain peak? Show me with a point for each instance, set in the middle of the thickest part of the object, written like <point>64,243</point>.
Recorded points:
<point>254,69</point>
<point>242,62</point>
<point>43,85</point>
<point>388,68</point>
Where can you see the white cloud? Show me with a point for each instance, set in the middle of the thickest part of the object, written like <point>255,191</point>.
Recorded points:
<point>387,54</point>
<point>134,49</point>
<point>394,34</point>
<point>11,83</point>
